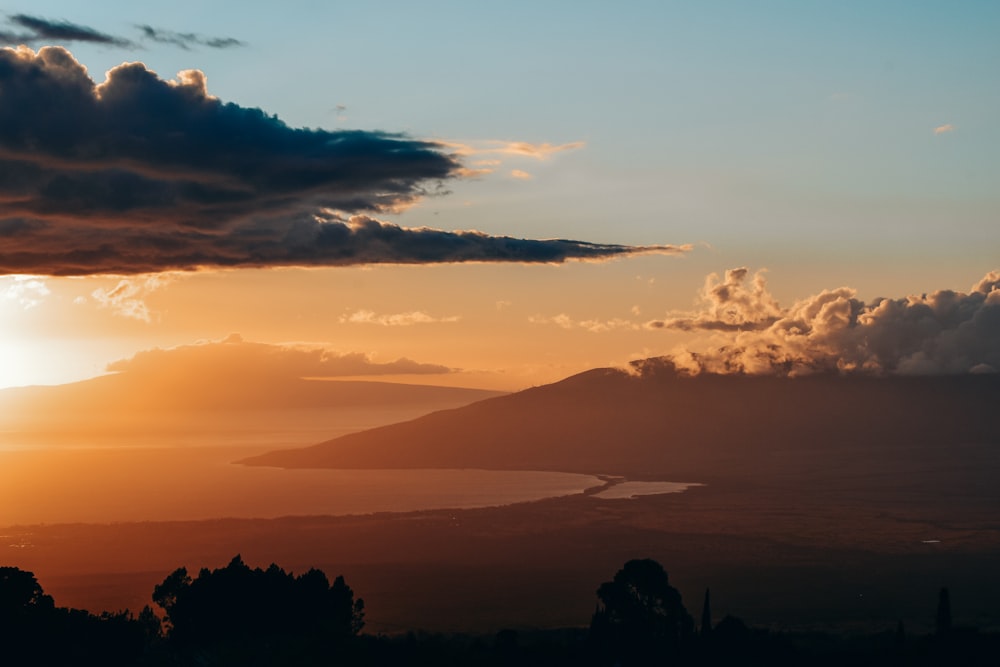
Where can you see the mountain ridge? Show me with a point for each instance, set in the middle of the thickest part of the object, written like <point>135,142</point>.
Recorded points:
<point>136,404</point>
<point>657,422</point>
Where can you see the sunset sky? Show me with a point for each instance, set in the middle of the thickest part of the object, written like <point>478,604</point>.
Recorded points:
<point>840,152</point>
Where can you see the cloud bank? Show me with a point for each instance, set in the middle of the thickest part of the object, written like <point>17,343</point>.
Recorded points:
<point>140,175</point>
<point>728,305</point>
<point>946,332</point>
<point>234,357</point>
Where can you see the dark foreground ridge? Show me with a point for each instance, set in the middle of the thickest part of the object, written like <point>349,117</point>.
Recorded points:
<point>237,615</point>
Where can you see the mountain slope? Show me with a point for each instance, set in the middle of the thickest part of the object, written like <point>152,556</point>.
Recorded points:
<point>659,423</point>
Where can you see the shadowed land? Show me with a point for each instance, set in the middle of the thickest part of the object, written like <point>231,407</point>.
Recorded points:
<point>828,502</point>
<point>771,557</point>
<point>661,425</point>
<point>239,615</point>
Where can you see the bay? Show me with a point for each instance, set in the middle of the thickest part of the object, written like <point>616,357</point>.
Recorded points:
<point>123,484</point>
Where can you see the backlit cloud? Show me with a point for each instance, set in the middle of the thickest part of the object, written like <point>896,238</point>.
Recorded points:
<point>526,149</point>
<point>234,357</point>
<point>944,129</point>
<point>945,332</point>
<point>728,305</point>
<point>26,291</point>
<point>520,174</point>
<point>140,174</point>
<point>395,319</point>
<point>127,298</point>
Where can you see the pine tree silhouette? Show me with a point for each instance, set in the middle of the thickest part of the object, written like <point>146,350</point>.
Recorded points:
<point>706,616</point>
<point>942,622</point>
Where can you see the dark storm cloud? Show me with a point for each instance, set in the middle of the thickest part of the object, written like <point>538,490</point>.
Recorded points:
<point>186,40</point>
<point>39,29</point>
<point>139,174</point>
<point>945,332</point>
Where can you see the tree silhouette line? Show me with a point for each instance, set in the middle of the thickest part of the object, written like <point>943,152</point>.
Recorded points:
<point>238,615</point>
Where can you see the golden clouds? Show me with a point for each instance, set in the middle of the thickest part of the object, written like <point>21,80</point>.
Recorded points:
<point>945,332</point>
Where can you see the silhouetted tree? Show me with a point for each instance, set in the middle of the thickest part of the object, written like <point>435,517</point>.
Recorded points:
<point>942,620</point>
<point>731,629</point>
<point>348,614</point>
<point>19,590</point>
<point>640,618</point>
<point>165,594</point>
<point>150,624</point>
<point>706,616</point>
<point>237,602</point>
<point>26,613</point>
<point>33,631</point>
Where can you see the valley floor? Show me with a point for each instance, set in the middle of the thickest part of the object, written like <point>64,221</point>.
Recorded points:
<point>796,556</point>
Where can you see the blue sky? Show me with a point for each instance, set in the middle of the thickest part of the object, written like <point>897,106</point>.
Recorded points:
<point>833,143</point>
<point>709,121</point>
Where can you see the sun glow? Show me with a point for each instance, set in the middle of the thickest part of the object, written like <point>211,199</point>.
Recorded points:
<point>16,368</point>
<point>26,361</point>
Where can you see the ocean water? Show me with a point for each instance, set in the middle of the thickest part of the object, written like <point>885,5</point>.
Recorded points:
<point>93,484</point>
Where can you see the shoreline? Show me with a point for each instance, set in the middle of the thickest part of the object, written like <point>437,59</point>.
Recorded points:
<point>608,482</point>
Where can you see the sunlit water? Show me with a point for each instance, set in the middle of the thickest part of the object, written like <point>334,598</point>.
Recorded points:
<point>117,484</point>
<point>627,490</point>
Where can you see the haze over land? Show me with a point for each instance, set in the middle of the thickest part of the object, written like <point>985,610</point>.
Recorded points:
<point>225,392</point>
<point>748,247</point>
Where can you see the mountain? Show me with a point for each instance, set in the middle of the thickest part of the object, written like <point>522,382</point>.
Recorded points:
<point>658,424</point>
<point>139,404</point>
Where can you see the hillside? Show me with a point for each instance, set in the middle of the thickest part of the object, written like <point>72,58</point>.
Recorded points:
<point>663,425</point>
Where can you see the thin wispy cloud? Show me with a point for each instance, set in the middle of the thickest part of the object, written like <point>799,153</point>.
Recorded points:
<point>32,30</point>
<point>187,40</point>
<point>526,149</point>
<point>944,129</point>
<point>484,165</point>
<point>945,332</point>
<point>139,175</point>
<point>564,321</point>
<point>128,298</point>
<point>26,291</point>
<point>26,29</point>
<point>395,319</point>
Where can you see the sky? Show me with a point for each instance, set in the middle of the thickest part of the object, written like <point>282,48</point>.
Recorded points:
<point>500,195</point>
